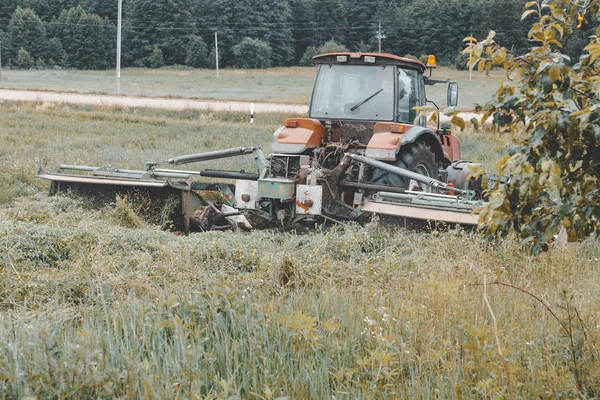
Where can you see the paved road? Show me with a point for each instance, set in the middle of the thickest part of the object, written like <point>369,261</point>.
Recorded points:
<point>156,102</point>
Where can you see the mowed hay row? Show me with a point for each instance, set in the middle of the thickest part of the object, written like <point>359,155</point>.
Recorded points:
<point>91,307</point>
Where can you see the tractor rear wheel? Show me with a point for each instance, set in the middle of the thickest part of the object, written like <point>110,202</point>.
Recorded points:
<point>416,157</point>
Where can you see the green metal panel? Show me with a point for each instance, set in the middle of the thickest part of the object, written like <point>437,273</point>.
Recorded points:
<point>273,188</point>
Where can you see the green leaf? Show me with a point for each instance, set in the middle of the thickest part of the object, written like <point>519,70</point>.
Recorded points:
<point>481,65</point>
<point>528,13</point>
<point>558,14</point>
<point>499,56</point>
<point>558,28</point>
<point>554,72</point>
<point>458,121</point>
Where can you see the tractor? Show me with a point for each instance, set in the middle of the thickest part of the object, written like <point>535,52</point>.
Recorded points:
<point>363,149</point>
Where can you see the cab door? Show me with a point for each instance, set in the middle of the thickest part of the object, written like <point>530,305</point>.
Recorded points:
<point>410,93</point>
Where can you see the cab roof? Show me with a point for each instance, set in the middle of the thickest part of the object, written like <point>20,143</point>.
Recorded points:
<point>380,59</point>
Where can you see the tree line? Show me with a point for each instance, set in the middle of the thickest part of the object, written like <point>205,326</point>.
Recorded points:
<point>81,34</point>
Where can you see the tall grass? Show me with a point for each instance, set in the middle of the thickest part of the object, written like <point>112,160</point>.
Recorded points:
<point>92,308</point>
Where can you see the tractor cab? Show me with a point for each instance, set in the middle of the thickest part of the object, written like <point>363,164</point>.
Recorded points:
<point>368,88</point>
<point>369,102</point>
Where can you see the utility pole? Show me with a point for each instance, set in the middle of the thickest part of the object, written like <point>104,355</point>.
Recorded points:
<point>0,60</point>
<point>380,35</point>
<point>217,53</point>
<point>470,69</point>
<point>120,11</point>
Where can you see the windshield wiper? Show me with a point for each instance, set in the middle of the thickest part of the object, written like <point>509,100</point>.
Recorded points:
<point>367,99</point>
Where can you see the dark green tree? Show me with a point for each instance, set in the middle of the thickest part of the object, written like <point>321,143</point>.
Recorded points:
<point>56,54</point>
<point>48,9</point>
<point>212,58</point>
<point>307,58</point>
<point>233,20</point>
<point>87,39</point>
<point>7,9</point>
<point>504,17</point>
<point>156,57</point>
<point>23,60</point>
<point>278,16</point>
<point>252,53</point>
<point>329,20</point>
<point>103,8</point>
<point>316,22</point>
<point>300,27</point>
<point>26,31</point>
<point>197,53</point>
<point>363,23</point>
<point>167,23</point>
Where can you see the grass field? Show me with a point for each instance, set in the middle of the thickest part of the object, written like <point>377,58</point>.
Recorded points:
<point>276,85</point>
<point>91,308</point>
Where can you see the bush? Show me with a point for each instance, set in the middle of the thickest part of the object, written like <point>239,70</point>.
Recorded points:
<point>328,47</point>
<point>211,61</point>
<point>554,167</point>
<point>332,47</point>
<point>363,47</point>
<point>40,64</point>
<point>197,52</point>
<point>156,58</point>
<point>252,53</point>
<point>307,58</point>
<point>23,60</point>
<point>411,57</point>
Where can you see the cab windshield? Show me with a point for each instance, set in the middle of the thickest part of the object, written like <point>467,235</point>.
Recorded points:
<point>354,92</point>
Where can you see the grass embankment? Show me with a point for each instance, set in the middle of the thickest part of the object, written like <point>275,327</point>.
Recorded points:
<point>275,85</point>
<point>91,308</point>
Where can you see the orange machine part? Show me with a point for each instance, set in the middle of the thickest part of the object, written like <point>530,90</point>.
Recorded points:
<point>386,127</point>
<point>387,135</point>
<point>306,131</point>
<point>451,146</point>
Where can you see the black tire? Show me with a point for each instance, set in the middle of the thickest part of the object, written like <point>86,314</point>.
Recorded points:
<point>416,157</point>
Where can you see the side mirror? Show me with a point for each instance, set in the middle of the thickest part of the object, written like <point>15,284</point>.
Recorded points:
<point>452,94</point>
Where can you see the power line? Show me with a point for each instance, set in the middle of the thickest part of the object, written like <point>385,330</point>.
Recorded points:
<point>293,29</point>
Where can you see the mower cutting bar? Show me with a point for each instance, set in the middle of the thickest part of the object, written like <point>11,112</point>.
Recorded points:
<point>420,212</point>
<point>159,173</point>
<point>425,206</point>
<point>102,180</point>
<point>430,200</point>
